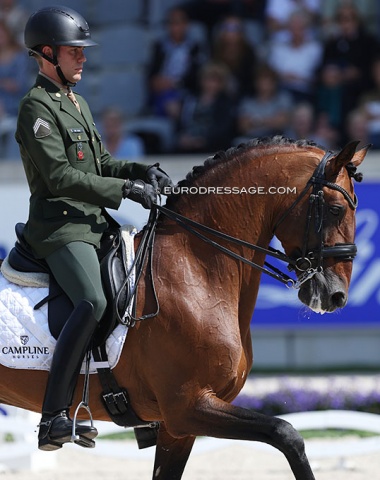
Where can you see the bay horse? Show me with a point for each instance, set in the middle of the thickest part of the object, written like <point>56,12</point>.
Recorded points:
<point>185,367</point>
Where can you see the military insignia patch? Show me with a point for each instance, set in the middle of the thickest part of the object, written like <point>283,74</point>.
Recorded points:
<point>41,128</point>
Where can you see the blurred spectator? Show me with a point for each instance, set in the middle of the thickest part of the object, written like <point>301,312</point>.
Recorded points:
<point>329,98</point>
<point>369,105</point>
<point>368,10</point>
<point>120,144</point>
<point>296,60</point>
<point>13,85</point>
<point>305,125</point>
<point>279,12</point>
<point>266,112</point>
<point>207,120</point>
<point>353,49</point>
<point>15,17</point>
<point>211,12</point>
<point>174,66</point>
<point>357,127</point>
<point>231,48</point>
<point>208,12</point>
<point>13,71</point>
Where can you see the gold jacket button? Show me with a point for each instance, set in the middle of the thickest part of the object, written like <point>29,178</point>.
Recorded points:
<point>98,160</point>
<point>64,212</point>
<point>58,94</point>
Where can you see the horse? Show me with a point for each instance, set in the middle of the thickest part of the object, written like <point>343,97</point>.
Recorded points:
<point>185,367</point>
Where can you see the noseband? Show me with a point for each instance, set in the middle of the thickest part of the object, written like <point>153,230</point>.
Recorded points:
<point>310,261</point>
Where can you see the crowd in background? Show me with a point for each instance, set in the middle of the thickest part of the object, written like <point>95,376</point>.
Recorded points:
<point>301,68</point>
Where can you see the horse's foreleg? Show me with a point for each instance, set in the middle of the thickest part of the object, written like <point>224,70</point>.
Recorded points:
<point>213,417</point>
<point>171,455</point>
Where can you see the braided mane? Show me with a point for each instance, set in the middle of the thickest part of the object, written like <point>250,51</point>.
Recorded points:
<point>227,155</point>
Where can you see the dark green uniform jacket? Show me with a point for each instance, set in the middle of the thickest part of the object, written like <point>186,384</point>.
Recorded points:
<point>71,177</point>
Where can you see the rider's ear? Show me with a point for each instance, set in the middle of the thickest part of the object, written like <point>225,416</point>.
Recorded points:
<point>345,156</point>
<point>48,51</point>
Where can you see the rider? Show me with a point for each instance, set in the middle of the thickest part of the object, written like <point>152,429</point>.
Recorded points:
<point>72,180</point>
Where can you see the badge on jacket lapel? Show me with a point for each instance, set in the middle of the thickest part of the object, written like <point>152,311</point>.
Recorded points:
<point>41,128</point>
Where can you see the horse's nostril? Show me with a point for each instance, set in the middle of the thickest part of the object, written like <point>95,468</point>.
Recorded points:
<point>338,299</point>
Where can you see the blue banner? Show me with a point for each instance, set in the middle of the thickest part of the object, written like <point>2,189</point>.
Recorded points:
<point>279,307</point>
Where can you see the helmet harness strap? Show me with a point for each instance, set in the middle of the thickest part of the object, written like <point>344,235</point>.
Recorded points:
<point>54,60</point>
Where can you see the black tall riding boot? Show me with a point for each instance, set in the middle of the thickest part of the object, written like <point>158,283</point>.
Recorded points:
<point>72,344</point>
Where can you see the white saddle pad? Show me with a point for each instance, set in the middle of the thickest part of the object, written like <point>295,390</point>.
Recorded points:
<point>25,339</point>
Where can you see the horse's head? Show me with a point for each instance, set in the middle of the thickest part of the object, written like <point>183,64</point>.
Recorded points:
<point>317,231</point>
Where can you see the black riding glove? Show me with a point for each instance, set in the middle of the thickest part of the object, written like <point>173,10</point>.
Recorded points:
<point>158,178</point>
<point>140,192</point>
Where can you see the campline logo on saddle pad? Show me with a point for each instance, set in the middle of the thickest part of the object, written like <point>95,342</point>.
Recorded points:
<point>24,350</point>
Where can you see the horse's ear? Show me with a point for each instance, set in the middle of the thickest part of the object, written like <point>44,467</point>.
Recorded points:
<point>345,156</point>
<point>360,154</point>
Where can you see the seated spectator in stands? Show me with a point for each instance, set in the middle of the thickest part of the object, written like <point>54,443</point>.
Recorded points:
<point>15,17</point>
<point>353,49</point>
<point>207,120</point>
<point>207,12</point>
<point>232,48</point>
<point>13,71</point>
<point>326,134</point>
<point>13,85</point>
<point>279,12</point>
<point>267,111</point>
<point>296,60</point>
<point>301,125</point>
<point>211,12</point>
<point>305,125</point>
<point>117,141</point>
<point>368,11</point>
<point>357,127</point>
<point>369,105</point>
<point>174,65</point>
<point>329,97</point>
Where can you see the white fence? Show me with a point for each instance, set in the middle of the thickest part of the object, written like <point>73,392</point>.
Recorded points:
<point>22,452</point>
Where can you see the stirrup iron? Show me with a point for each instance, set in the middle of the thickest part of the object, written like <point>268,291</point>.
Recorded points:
<point>82,440</point>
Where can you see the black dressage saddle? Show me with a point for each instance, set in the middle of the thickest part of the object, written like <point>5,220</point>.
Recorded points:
<point>114,272</point>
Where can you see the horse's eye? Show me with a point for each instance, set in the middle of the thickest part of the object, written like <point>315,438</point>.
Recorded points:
<point>335,210</point>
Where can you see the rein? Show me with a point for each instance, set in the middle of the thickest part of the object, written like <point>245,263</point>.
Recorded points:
<point>303,264</point>
<point>345,251</point>
<point>193,227</point>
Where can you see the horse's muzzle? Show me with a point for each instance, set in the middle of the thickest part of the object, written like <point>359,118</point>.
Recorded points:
<point>325,292</point>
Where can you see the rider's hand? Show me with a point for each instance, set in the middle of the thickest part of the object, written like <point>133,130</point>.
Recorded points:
<point>140,192</point>
<point>158,178</point>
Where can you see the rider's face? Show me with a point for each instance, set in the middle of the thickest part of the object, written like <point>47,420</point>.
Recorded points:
<point>70,59</point>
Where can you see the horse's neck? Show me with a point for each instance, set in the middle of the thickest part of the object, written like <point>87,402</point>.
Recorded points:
<point>246,216</point>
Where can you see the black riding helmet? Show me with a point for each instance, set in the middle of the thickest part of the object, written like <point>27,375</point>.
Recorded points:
<point>55,26</point>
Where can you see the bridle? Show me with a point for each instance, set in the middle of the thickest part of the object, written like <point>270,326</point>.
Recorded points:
<point>310,261</point>
<point>343,251</point>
